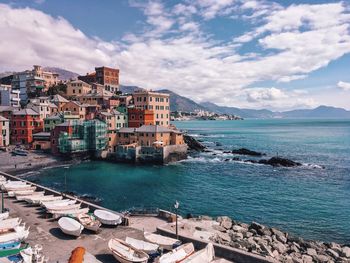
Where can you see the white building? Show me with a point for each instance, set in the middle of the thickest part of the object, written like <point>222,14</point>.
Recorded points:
<point>4,132</point>
<point>43,106</point>
<point>8,96</point>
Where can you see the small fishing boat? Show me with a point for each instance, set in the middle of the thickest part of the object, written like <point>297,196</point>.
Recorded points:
<point>11,252</point>
<point>54,208</point>
<point>80,255</point>
<point>18,235</point>
<point>205,255</point>
<point>37,199</point>
<point>166,243</point>
<point>10,245</point>
<point>4,215</point>
<point>27,197</point>
<point>17,187</point>
<point>125,253</point>
<point>10,223</point>
<point>71,213</point>
<point>89,222</point>
<point>147,247</point>
<point>107,218</point>
<point>61,202</point>
<point>178,254</point>
<point>70,226</point>
<point>21,192</point>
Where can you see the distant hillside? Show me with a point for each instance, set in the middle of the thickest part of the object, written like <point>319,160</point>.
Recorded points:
<point>180,103</point>
<point>319,112</point>
<point>128,89</point>
<point>63,74</point>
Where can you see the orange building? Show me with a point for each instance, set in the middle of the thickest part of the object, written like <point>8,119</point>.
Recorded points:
<point>76,108</point>
<point>139,117</point>
<point>108,77</point>
<point>23,124</point>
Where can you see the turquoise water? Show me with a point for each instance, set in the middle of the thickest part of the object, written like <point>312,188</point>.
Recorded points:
<point>308,200</point>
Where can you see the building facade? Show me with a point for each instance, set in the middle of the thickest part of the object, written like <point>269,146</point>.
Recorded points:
<point>9,97</point>
<point>77,88</point>
<point>139,117</point>
<point>4,132</point>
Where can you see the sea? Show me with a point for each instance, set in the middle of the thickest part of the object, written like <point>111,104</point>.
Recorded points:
<point>311,201</point>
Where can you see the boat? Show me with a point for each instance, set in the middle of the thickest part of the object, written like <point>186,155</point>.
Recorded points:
<point>147,247</point>
<point>166,243</point>
<point>4,215</point>
<point>178,254</point>
<point>27,197</point>
<point>107,218</point>
<point>10,223</point>
<point>89,222</point>
<point>61,202</point>
<point>11,252</point>
<point>54,208</point>
<point>18,235</point>
<point>19,152</point>
<point>125,253</point>
<point>205,255</point>
<point>21,192</point>
<point>79,254</point>
<point>37,199</point>
<point>27,255</point>
<point>10,245</point>
<point>16,187</point>
<point>71,213</point>
<point>70,226</point>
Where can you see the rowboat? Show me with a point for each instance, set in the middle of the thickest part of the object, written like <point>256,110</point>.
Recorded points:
<point>21,192</point>
<point>37,199</point>
<point>58,208</point>
<point>70,226</point>
<point>178,254</point>
<point>72,213</point>
<point>147,247</point>
<point>11,252</point>
<point>79,254</point>
<point>205,255</point>
<point>125,253</point>
<point>17,187</point>
<point>4,215</point>
<point>18,235</point>
<point>89,222</point>
<point>58,202</point>
<point>108,218</point>
<point>26,197</point>
<point>10,245</point>
<point>10,223</point>
<point>166,243</point>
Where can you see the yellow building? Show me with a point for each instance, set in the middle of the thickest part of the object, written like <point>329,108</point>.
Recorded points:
<point>76,108</point>
<point>77,88</point>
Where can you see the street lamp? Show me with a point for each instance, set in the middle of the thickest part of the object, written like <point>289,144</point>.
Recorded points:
<point>176,205</point>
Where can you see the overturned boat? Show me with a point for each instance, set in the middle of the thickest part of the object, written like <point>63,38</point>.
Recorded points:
<point>70,226</point>
<point>147,247</point>
<point>166,243</point>
<point>71,213</point>
<point>108,218</point>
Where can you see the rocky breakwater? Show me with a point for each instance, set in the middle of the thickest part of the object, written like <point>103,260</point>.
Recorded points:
<point>193,144</point>
<point>275,244</point>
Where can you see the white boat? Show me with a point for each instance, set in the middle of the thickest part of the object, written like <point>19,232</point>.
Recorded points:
<point>147,247</point>
<point>167,243</point>
<point>205,255</point>
<point>107,218</point>
<point>27,197</point>
<point>18,235</point>
<point>58,202</point>
<point>70,226</point>
<point>73,213</point>
<point>125,253</point>
<point>58,208</point>
<point>4,215</point>
<point>14,187</point>
<point>21,192</point>
<point>10,223</point>
<point>37,199</point>
<point>27,255</point>
<point>89,222</point>
<point>178,254</point>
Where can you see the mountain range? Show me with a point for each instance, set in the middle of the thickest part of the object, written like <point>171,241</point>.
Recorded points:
<point>182,103</point>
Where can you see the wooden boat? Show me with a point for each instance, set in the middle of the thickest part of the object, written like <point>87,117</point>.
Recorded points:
<point>205,255</point>
<point>125,253</point>
<point>80,255</point>
<point>71,213</point>
<point>10,245</point>
<point>58,208</point>
<point>17,187</point>
<point>164,242</point>
<point>37,199</point>
<point>21,192</point>
<point>10,223</point>
<point>4,215</point>
<point>18,235</point>
<point>61,202</point>
<point>178,254</point>
<point>11,252</point>
<point>89,222</point>
<point>147,247</point>
<point>70,226</point>
<point>27,197</point>
<point>107,218</point>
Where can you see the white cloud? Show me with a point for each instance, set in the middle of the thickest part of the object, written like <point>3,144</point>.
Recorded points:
<point>268,94</point>
<point>344,85</point>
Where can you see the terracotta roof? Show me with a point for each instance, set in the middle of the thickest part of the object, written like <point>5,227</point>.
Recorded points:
<point>153,128</point>
<point>58,98</point>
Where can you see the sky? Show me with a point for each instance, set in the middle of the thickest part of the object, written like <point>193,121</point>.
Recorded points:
<point>278,55</point>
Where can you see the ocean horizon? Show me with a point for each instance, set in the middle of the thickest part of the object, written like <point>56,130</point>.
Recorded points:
<point>310,201</point>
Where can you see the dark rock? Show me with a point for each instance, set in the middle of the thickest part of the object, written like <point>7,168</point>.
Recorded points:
<point>219,228</point>
<point>244,151</point>
<point>264,232</point>
<point>218,143</point>
<point>256,226</point>
<point>226,152</point>
<point>227,160</point>
<point>278,161</point>
<point>193,144</point>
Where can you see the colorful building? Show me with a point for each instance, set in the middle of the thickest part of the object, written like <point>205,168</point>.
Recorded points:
<point>108,77</point>
<point>43,106</point>
<point>59,101</point>
<point>4,132</point>
<point>76,108</point>
<point>9,97</point>
<point>51,121</point>
<point>77,88</point>
<point>157,102</point>
<point>24,123</point>
<point>139,117</point>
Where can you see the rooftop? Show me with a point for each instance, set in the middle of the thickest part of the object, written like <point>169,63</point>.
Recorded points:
<point>25,112</point>
<point>59,98</point>
<point>153,128</point>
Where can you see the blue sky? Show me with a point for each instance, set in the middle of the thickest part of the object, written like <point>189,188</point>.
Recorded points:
<point>278,55</point>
